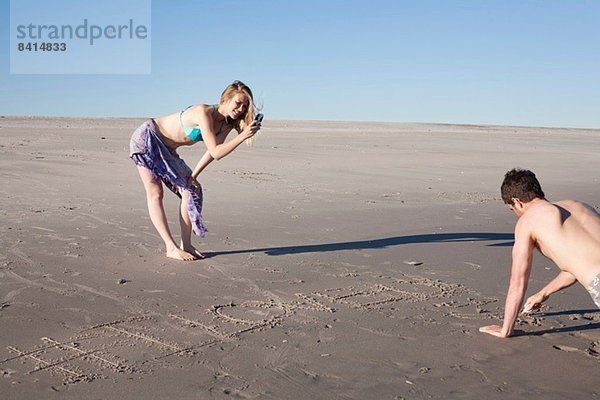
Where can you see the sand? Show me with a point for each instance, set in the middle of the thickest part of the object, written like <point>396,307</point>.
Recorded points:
<point>345,261</point>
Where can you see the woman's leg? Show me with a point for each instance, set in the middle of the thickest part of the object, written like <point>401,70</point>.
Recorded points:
<point>154,196</point>
<point>186,225</point>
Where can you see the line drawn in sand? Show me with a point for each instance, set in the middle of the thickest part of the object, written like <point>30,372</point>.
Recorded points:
<point>407,289</point>
<point>67,359</point>
<point>124,345</point>
<point>227,322</point>
<point>131,344</point>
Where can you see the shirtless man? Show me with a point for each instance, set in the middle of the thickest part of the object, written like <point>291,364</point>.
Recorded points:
<point>567,232</point>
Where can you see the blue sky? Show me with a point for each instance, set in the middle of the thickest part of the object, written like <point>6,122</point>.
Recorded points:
<point>511,62</point>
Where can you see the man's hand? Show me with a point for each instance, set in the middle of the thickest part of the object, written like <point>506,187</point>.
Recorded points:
<point>494,330</point>
<point>534,302</point>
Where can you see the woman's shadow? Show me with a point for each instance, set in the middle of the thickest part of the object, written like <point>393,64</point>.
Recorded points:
<point>504,239</point>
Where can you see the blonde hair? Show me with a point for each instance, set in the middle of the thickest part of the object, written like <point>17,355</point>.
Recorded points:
<point>247,117</point>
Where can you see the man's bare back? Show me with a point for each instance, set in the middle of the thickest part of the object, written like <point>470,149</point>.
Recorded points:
<point>568,233</point>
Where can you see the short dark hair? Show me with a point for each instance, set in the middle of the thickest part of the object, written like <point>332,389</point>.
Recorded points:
<point>520,184</point>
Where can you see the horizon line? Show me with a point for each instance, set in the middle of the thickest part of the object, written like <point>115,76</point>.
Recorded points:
<point>466,124</point>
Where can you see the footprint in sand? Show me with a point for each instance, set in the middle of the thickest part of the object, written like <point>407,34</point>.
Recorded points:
<point>415,263</point>
<point>591,351</point>
<point>568,349</point>
<point>473,265</point>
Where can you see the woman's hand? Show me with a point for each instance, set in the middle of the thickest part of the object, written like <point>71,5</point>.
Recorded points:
<point>250,130</point>
<point>195,184</point>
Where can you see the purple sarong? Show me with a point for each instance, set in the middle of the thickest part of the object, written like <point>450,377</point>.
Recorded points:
<point>148,150</point>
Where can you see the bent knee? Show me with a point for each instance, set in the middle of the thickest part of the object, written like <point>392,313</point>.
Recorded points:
<point>185,194</point>
<point>155,194</point>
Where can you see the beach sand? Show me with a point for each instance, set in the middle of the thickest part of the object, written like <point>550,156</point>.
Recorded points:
<point>345,261</point>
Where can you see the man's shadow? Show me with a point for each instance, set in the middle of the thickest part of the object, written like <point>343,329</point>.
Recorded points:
<point>566,329</point>
<point>504,239</point>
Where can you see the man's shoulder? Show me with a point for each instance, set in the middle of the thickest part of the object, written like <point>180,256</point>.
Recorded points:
<point>537,217</point>
<point>578,208</point>
<point>563,203</point>
<point>573,205</point>
<point>526,224</point>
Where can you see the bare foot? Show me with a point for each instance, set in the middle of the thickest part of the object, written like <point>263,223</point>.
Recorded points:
<point>179,254</point>
<point>192,250</point>
<point>494,330</point>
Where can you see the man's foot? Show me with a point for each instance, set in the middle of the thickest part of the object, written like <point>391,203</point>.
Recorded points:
<point>179,254</point>
<point>192,250</point>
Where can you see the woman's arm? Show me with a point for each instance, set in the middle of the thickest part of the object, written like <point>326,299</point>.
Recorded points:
<point>204,161</point>
<point>220,150</point>
<point>217,147</point>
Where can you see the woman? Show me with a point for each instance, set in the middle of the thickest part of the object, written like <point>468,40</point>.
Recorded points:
<point>153,149</point>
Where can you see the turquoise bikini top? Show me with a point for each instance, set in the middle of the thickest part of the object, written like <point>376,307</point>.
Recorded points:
<point>191,132</point>
<point>195,133</point>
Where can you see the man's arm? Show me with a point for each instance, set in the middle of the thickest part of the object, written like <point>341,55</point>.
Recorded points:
<point>563,280</point>
<point>522,256</point>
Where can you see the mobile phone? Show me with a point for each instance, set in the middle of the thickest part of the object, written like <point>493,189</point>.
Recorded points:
<point>258,118</point>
